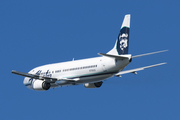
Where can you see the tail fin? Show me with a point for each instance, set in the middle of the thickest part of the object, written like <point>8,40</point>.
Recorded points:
<point>122,42</point>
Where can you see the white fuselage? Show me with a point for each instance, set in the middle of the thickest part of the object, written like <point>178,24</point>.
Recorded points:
<point>82,71</point>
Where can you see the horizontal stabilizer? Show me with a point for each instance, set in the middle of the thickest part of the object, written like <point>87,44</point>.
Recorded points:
<point>119,57</point>
<point>137,69</point>
<point>148,54</point>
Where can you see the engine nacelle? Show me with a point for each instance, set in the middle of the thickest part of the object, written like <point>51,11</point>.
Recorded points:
<point>93,85</point>
<point>41,85</point>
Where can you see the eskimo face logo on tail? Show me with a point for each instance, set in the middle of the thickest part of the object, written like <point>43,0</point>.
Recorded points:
<point>123,41</point>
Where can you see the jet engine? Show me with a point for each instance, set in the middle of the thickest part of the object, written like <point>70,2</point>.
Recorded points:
<point>41,85</point>
<point>93,85</point>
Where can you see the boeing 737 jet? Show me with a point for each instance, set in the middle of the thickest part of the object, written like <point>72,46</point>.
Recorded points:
<point>89,72</point>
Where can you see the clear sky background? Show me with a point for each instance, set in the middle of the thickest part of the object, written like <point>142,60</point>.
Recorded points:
<point>38,32</point>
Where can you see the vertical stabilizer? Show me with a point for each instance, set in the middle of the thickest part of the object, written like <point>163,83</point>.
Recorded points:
<point>122,42</point>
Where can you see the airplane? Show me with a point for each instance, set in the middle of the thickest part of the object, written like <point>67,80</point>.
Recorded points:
<point>91,72</point>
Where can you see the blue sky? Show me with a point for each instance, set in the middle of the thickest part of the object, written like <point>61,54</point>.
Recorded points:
<point>35,33</point>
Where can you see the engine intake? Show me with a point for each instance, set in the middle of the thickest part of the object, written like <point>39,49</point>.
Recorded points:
<point>93,85</point>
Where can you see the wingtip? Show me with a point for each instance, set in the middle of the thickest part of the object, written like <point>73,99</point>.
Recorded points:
<point>162,63</point>
<point>128,15</point>
<point>164,50</point>
<point>165,63</point>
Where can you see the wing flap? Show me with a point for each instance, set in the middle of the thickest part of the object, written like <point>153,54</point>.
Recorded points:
<point>137,69</point>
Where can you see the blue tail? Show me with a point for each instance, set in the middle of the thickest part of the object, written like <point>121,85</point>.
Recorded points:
<point>122,43</point>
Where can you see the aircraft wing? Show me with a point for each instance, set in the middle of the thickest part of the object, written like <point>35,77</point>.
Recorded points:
<point>137,69</point>
<point>48,79</point>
